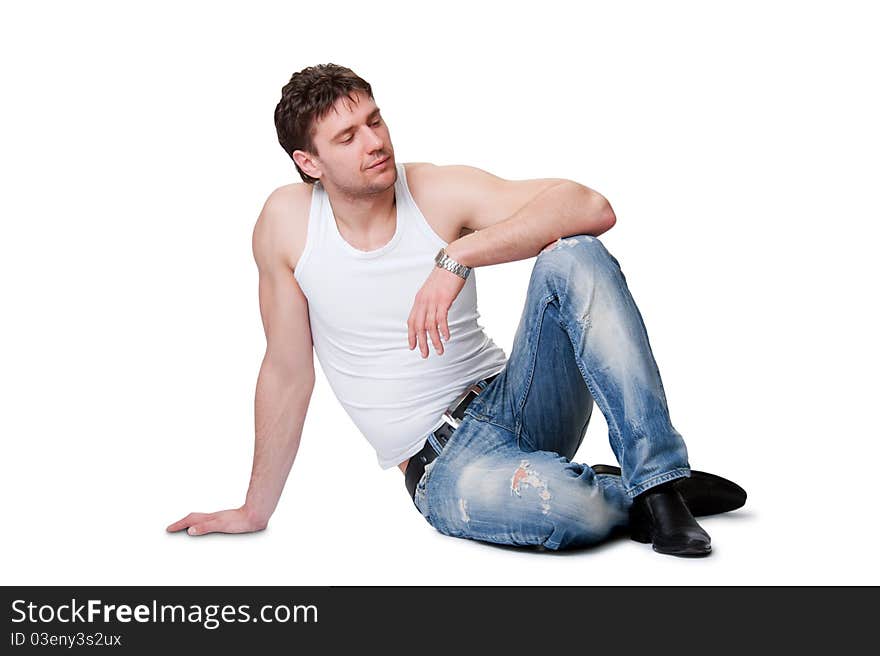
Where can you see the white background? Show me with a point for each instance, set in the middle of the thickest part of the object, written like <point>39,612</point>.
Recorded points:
<point>737,145</point>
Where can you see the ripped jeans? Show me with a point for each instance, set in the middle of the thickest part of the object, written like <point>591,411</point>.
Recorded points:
<point>506,475</point>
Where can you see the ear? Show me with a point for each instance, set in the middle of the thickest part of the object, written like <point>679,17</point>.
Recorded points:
<point>306,162</point>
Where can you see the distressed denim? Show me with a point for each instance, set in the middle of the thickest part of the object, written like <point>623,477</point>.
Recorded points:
<point>506,475</point>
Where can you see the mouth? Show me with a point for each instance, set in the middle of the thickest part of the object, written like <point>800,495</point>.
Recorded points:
<point>379,163</point>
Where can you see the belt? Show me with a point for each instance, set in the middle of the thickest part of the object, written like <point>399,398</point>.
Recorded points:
<point>437,440</point>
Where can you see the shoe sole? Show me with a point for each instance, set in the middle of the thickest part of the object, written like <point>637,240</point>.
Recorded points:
<point>689,553</point>
<point>669,552</point>
<point>704,493</point>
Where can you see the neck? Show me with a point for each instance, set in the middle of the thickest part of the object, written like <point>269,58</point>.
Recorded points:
<point>367,214</point>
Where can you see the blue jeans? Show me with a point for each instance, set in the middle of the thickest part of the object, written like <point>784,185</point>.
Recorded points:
<point>506,474</point>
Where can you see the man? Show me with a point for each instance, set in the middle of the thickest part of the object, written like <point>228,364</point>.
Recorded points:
<point>368,263</point>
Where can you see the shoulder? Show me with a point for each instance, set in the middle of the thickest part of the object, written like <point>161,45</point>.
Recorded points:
<point>281,228</point>
<point>426,179</point>
<point>447,184</point>
<point>434,189</point>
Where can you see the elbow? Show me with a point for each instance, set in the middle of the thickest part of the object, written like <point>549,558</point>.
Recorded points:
<point>609,218</point>
<point>304,381</point>
<point>291,374</point>
<point>603,216</point>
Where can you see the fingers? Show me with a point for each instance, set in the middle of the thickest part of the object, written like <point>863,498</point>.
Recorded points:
<point>429,326</point>
<point>425,320</point>
<point>214,525</point>
<point>189,520</point>
<point>423,340</point>
<point>416,329</point>
<point>442,321</point>
<point>201,523</point>
<point>228,521</point>
<point>432,330</point>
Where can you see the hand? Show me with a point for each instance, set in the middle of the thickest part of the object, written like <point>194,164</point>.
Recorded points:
<point>431,308</point>
<point>226,521</point>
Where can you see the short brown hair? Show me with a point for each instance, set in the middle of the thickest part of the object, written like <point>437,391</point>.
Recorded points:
<point>307,98</point>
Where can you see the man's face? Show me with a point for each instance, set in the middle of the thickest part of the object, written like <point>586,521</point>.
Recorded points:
<point>351,139</point>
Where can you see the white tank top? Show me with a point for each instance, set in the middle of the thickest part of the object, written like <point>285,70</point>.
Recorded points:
<point>359,302</point>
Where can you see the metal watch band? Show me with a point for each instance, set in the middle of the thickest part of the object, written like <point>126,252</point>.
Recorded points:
<point>445,262</point>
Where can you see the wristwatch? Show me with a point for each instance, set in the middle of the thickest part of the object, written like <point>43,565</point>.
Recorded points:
<point>445,262</point>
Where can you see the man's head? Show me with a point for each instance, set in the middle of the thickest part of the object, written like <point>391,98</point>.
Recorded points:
<point>330,126</point>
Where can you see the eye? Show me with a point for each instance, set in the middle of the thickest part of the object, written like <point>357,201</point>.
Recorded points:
<point>378,121</point>
<point>345,141</point>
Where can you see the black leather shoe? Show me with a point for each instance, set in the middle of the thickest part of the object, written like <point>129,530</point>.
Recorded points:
<point>660,516</point>
<point>704,493</point>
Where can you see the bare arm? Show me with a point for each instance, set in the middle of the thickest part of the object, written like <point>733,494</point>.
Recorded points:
<point>284,384</point>
<point>287,375</point>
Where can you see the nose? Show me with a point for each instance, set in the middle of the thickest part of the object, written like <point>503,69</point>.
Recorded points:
<point>374,141</point>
